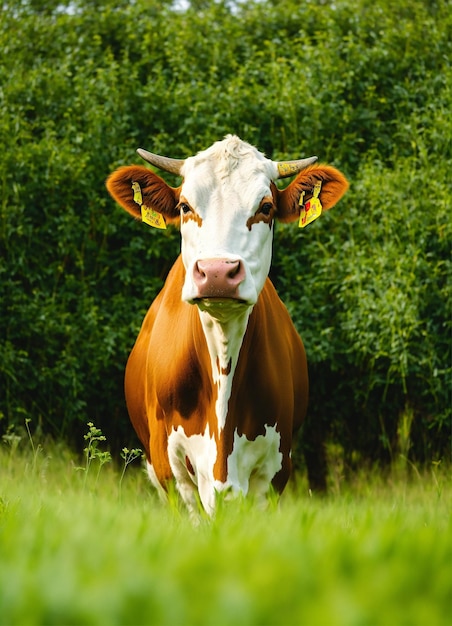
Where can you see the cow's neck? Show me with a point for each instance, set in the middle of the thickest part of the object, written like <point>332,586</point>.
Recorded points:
<point>224,330</point>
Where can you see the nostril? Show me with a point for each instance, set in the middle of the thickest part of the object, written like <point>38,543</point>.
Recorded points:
<point>234,269</point>
<point>199,272</point>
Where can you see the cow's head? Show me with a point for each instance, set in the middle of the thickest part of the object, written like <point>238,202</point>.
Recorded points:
<point>226,207</point>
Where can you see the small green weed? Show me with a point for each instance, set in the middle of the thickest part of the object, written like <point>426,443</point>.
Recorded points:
<point>92,451</point>
<point>128,456</point>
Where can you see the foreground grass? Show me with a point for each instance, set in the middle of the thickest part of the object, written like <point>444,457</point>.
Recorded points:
<point>77,551</point>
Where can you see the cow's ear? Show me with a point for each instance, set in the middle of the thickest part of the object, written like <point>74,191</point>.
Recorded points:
<point>133,185</point>
<point>290,200</point>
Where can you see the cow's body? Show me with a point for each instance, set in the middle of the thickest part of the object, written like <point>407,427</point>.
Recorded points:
<point>173,397</point>
<point>217,382</point>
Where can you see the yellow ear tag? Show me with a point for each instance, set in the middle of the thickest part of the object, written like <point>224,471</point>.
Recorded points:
<point>312,209</point>
<point>137,197</point>
<point>148,216</point>
<point>151,217</point>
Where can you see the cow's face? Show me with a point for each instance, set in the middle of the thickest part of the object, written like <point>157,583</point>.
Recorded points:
<point>226,206</point>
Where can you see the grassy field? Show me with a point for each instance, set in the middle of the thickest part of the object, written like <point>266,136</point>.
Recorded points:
<point>80,547</point>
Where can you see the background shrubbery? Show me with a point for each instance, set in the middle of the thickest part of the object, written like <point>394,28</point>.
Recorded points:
<point>366,85</point>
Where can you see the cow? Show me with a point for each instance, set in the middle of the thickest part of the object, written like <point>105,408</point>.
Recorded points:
<point>217,384</point>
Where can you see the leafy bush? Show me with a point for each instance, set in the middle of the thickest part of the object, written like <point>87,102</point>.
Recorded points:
<point>369,293</point>
<point>365,85</point>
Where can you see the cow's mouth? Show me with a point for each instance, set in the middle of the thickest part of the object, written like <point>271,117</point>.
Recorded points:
<point>217,301</point>
<point>218,304</point>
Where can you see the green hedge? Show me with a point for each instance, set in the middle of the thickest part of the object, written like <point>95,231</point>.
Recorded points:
<point>365,85</point>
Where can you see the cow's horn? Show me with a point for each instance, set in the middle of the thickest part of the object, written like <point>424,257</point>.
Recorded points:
<point>173,166</point>
<point>289,168</point>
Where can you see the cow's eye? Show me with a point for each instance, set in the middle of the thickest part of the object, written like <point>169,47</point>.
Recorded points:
<point>266,208</point>
<point>183,206</point>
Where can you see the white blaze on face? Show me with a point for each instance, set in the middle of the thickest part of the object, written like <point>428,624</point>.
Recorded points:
<point>224,187</point>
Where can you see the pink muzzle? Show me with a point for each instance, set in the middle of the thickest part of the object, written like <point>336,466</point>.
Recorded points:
<point>218,278</point>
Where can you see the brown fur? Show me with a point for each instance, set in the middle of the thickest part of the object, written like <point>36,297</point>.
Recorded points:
<point>261,217</point>
<point>192,216</point>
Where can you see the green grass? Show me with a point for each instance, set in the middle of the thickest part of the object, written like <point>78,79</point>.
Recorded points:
<point>77,549</point>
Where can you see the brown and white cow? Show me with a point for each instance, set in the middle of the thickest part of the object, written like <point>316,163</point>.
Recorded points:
<point>217,381</point>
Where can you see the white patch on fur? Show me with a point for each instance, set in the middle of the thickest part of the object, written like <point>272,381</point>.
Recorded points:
<point>253,464</point>
<point>201,451</point>
<point>224,329</point>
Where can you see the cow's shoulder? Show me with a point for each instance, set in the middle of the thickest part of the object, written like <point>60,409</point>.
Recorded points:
<point>270,320</point>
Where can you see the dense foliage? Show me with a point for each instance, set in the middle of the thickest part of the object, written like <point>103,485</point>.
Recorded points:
<point>364,84</point>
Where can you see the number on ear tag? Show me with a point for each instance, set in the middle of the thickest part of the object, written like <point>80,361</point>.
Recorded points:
<point>311,209</point>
